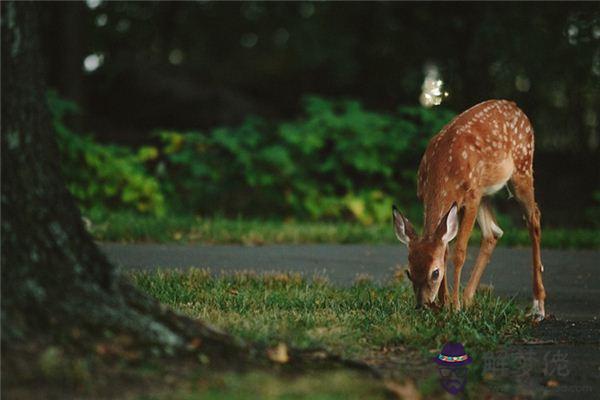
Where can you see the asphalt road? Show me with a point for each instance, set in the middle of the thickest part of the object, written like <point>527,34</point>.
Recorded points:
<point>562,362</point>
<point>571,278</point>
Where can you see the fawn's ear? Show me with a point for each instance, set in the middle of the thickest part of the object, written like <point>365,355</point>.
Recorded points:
<point>448,227</point>
<point>402,227</point>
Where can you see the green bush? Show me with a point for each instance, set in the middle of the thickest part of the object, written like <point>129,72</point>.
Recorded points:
<point>337,161</point>
<point>103,177</point>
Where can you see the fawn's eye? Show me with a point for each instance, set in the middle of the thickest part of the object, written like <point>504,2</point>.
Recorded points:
<point>435,274</point>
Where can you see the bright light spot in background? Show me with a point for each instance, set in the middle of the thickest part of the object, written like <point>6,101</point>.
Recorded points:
<point>596,63</point>
<point>572,32</point>
<point>281,36</point>
<point>123,25</point>
<point>101,20</point>
<point>249,40</point>
<point>93,3</point>
<point>596,32</point>
<point>522,83</point>
<point>176,57</point>
<point>92,62</point>
<point>307,10</point>
<point>252,11</point>
<point>431,90</point>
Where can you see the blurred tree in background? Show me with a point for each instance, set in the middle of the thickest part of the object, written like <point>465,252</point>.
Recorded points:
<point>197,66</point>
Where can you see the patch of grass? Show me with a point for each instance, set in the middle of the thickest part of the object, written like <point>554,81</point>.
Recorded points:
<point>324,385</point>
<point>129,227</point>
<point>351,321</point>
<point>377,324</point>
<point>59,374</point>
<point>374,323</point>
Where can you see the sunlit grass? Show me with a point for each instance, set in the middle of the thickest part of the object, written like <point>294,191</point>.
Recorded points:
<point>358,322</point>
<point>127,227</point>
<point>351,321</point>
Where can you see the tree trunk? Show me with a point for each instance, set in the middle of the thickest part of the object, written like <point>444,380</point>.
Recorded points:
<point>54,278</point>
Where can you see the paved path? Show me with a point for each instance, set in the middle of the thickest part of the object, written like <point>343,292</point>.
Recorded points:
<point>570,349</point>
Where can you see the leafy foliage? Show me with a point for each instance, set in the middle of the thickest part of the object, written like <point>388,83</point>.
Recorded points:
<point>337,161</point>
<point>102,177</point>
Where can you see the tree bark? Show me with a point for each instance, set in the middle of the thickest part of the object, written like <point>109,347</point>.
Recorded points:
<point>54,278</point>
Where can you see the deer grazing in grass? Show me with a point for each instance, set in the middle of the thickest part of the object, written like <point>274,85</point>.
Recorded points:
<point>472,157</point>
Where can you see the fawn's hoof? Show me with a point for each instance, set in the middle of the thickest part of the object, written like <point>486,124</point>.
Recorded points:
<point>456,306</point>
<point>537,310</point>
<point>468,300</point>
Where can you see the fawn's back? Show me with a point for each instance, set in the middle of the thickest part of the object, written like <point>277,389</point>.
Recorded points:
<point>475,154</point>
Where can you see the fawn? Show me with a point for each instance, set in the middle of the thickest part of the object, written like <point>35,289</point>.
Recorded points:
<point>473,156</point>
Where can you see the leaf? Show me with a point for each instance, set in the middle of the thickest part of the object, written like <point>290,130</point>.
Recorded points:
<point>405,390</point>
<point>147,153</point>
<point>194,344</point>
<point>552,383</point>
<point>278,354</point>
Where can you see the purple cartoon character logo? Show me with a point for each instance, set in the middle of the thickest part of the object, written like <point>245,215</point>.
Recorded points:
<point>452,365</point>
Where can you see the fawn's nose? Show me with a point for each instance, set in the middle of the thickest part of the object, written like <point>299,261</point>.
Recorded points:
<point>418,306</point>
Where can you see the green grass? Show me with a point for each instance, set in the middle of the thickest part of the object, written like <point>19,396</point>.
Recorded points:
<point>323,385</point>
<point>352,321</point>
<point>364,321</point>
<point>61,373</point>
<point>128,227</point>
<point>133,228</point>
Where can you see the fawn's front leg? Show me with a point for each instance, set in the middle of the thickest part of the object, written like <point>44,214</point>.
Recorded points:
<point>490,233</point>
<point>443,294</point>
<point>460,248</point>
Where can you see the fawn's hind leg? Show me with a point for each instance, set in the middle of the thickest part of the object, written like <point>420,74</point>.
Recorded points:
<point>524,192</point>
